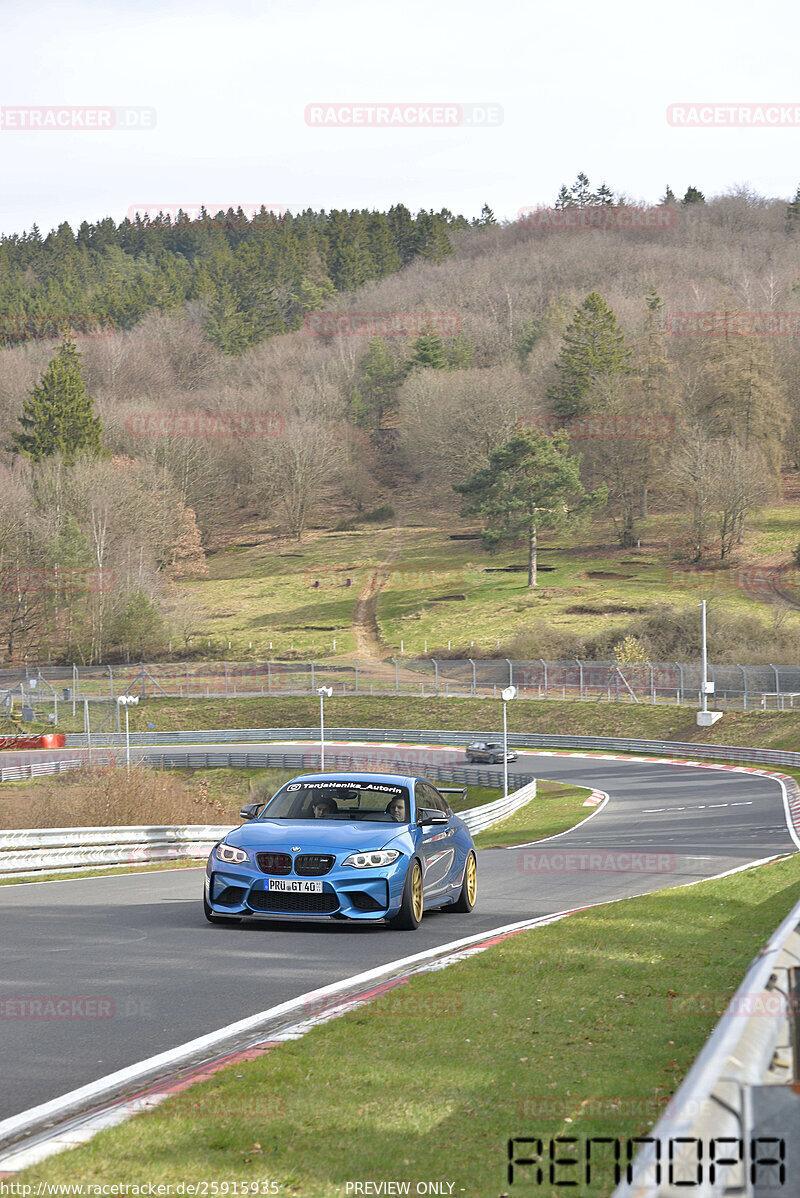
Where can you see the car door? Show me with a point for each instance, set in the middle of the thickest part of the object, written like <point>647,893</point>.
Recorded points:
<point>437,842</point>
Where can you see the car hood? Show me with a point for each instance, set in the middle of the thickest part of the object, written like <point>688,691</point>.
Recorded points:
<point>316,835</point>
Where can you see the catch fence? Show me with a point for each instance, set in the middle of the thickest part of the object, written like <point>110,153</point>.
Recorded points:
<point>742,687</point>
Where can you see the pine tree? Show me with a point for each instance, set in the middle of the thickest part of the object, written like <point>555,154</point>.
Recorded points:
<point>668,196</point>
<point>593,350</point>
<point>793,212</point>
<point>694,196</point>
<point>379,376</point>
<point>530,482</point>
<point>428,352</point>
<point>487,217</point>
<point>59,416</point>
<point>460,353</point>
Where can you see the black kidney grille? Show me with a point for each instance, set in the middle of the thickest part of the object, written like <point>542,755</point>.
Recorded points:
<point>274,863</point>
<point>293,904</point>
<point>310,865</point>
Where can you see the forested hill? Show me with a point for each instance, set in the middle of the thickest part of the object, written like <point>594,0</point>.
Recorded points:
<point>254,275</point>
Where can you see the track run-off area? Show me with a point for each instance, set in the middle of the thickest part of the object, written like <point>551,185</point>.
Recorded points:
<point>145,972</point>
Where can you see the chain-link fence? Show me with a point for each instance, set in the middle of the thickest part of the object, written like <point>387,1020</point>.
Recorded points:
<point>735,686</point>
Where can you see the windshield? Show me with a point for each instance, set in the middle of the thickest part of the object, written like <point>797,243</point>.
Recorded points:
<point>374,802</point>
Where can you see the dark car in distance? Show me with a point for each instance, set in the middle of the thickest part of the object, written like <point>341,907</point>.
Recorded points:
<point>488,750</point>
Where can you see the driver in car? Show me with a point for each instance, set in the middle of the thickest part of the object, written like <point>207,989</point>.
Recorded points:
<point>323,807</point>
<point>397,809</point>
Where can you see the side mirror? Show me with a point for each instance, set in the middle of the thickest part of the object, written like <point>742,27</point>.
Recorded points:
<point>251,810</point>
<point>429,815</point>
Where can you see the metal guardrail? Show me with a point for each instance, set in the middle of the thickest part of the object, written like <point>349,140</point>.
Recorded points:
<point>607,744</point>
<point>466,776</point>
<point>35,850</point>
<point>738,1095</point>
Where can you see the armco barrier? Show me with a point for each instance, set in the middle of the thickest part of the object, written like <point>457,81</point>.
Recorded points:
<point>467,776</point>
<point>603,744</point>
<point>32,850</point>
<point>739,1096</point>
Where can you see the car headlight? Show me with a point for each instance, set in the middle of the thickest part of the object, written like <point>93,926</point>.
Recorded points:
<point>371,860</point>
<point>226,852</point>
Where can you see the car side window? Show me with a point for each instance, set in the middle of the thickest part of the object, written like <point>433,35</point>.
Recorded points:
<point>429,797</point>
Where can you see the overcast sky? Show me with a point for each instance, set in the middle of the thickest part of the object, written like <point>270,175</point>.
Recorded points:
<point>581,86</point>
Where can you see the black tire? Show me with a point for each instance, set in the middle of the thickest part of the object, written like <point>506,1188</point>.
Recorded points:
<point>409,916</point>
<point>469,888</point>
<point>218,919</point>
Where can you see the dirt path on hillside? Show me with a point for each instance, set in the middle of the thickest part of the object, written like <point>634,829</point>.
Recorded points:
<point>365,619</point>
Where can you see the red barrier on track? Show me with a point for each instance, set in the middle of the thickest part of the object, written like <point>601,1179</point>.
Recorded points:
<point>50,740</point>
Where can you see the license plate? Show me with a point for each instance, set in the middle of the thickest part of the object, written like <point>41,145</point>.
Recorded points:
<point>301,886</point>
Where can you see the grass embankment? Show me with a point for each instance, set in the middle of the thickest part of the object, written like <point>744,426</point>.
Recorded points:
<point>764,729</point>
<point>584,1028</point>
<point>556,808</point>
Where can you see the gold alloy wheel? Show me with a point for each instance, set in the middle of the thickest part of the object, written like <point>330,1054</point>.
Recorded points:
<point>416,892</point>
<point>472,880</point>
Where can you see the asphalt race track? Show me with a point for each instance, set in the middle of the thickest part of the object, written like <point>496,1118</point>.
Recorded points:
<point>140,944</point>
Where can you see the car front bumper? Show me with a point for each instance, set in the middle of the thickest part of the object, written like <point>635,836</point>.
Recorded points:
<point>365,894</point>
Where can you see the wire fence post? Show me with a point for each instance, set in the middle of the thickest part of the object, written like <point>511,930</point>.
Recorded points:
<point>312,676</point>
<point>111,681</point>
<point>652,683</point>
<point>744,678</point>
<point>225,667</point>
<point>144,684</point>
<point>269,679</point>
<point>74,688</point>
<point>580,677</point>
<point>544,663</point>
<point>474,682</point>
<point>436,674</point>
<point>355,663</point>
<point>396,675</point>
<point>777,686</point>
<point>510,671</point>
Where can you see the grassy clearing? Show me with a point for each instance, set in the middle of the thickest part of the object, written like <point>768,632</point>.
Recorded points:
<point>584,1028</point>
<point>556,808</point>
<point>264,601</point>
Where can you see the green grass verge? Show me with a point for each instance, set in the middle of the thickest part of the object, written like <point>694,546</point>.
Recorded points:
<point>584,1028</point>
<point>556,808</point>
<point>761,729</point>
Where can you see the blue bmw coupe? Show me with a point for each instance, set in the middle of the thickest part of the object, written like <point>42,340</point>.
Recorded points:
<point>344,846</point>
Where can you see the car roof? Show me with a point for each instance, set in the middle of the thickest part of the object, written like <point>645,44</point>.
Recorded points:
<point>361,776</point>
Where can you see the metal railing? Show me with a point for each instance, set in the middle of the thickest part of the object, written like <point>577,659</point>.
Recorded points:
<point>36,850</point>
<point>739,1094</point>
<point>605,744</point>
<point>744,687</point>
